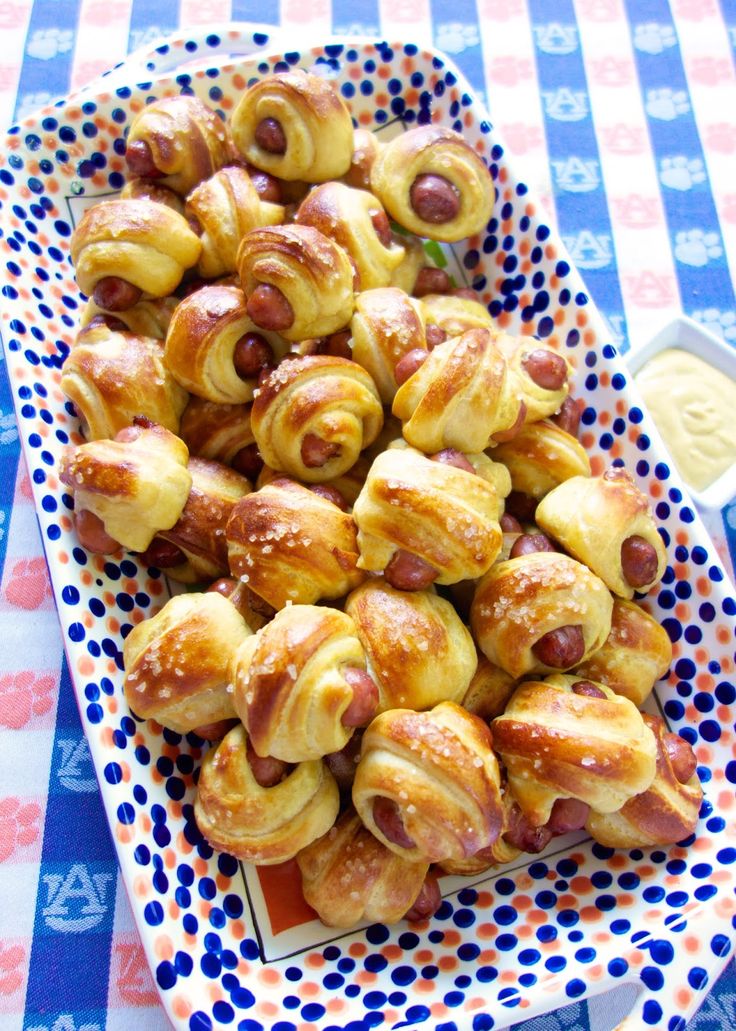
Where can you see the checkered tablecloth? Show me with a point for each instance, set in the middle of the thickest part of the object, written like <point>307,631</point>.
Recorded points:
<point>620,115</point>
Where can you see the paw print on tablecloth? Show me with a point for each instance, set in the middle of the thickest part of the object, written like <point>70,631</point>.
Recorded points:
<point>681,173</point>
<point>357,28</point>
<point>454,37</point>
<point>8,429</point>
<point>153,34</point>
<point>13,961</point>
<point>666,104</point>
<point>720,323</point>
<point>46,44</point>
<point>28,586</point>
<point>23,696</point>
<point>696,248</point>
<point>19,825</point>
<point>653,38</point>
<point>28,103</point>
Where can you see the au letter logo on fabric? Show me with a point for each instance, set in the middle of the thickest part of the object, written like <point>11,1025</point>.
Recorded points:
<point>77,901</point>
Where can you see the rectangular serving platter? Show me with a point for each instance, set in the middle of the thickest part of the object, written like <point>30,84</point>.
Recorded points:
<point>234,947</point>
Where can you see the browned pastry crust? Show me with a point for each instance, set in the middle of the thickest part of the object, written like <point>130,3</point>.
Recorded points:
<point>112,377</point>
<point>496,854</point>
<point>263,825</point>
<point>348,876</point>
<point>151,190</point>
<point>147,245</point>
<point>540,401</point>
<point>440,772</point>
<point>593,517</point>
<point>217,431</point>
<point>316,125</point>
<point>556,743</point>
<point>636,653</point>
<point>365,150</point>
<point>187,140</point>
<point>290,687</point>
<point>318,397</point>
<point>522,599</point>
<point>540,457</point>
<point>136,487</point>
<point>488,691</point>
<point>387,324</point>
<point>348,485</point>
<point>146,319</point>
<point>292,546</point>
<point>455,315</point>
<point>665,813</point>
<point>356,221</point>
<point>417,649</point>
<point>177,662</point>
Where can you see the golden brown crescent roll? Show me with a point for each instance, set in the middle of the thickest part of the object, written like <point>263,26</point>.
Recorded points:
<point>150,190</point>
<point>214,349</point>
<point>455,315</point>
<point>295,126</point>
<point>122,249</point>
<point>343,490</point>
<point>259,823</point>
<point>365,149</point>
<point>387,324</point>
<point>221,210</point>
<point>540,457</point>
<point>488,691</point>
<point>136,485</point>
<point>667,811</point>
<point>111,377</point>
<point>636,653</point>
<point>356,221</point>
<point>177,662</point>
<point>146,319</point>
<point>415,514</point>
<point>607,522</point>
<point>543,374</point>
<point>428,785</point>
<point>496,854</point>
<point>313,416</point>
<point>461,396</point>
<point>301,686</point>
<point>221,432</point>
<point>540,613</point>
<point>569,738</point>
<point>178,141</point>
<point>417,649</point>
<point>433,183</point>
<point>348,876</point>
<point>292,546</point>
<point>296,280</point>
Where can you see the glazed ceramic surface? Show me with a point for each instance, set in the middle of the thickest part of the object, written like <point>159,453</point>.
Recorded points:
<point>230,946</point>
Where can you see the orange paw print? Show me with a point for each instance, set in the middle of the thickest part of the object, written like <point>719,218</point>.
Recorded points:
<point>24,695</point>
<point>19,825</point>
<point>28,586</point>
<point>12,965</point>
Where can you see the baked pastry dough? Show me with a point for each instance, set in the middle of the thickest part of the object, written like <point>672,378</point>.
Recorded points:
<point>150,190</point>
<point>521,601</point>
<point>417,649</point>
<point>146,245</point>
<point>488,691</point>
<point>596,519</point>
<point>540,457</point>
<point>146,319</point>
<point>556,743</point>
<point>460,397</point>
<point>111,377</point>
<point>180,139</point>
<point>203,339</point>
<point>293,686</point>
<point>221,432</point>
<point>496,854</point>
<point>455,315</point>
<point>263,825</point>
<point>365,149</point>
<point>636,653</point>
<point>431,780</point>
<point>311,275</point>
<point>667,812</point>
<point>136,486</point>
<point>428,153</point>
<point>381,886</point>
<point>312,138</point>
<point>313,416</point>
<point>356,221</point>
<point>292,546</point>
<point>177,662</point>
<point>405,274</point>
<point>543,374</point>
<point>387,324</point>
<point>445,516</point>
<point>223,209</point>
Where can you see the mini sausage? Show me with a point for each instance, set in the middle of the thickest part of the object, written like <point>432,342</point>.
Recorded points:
<point>546,368</point>
<point>503,435</point>
<point>407,572</point>
<point>509,523</point>
<point>560,648</point>
<point>382,226</point>
<point>523,835</point>
<point>362,708</point>
<point>434,198</point>
<point>681,756</point>
<point>316,452</point>
<point>427,902</point>
<point>638,561</point>
<point>330,493</point>
<point>568,814</point>
<point>116,325</point>
<point>92,533</point>
<point>267,186</point>
<point>269,308</point>
<point>521,505</point>
<point>588,689</point>
<point>568,417</point>
<point>139,159</point>
<point>431,280</point>
<point>530,543</point>
<point>434,335</point>
<point>336,344</point>
<point>163,554</point>
<point>451,456</point>
<point>116,294</point>
<point>465,292</point>
<point>252,353</point>
<point>343,764</point>
<point>266,770</point>
<point>270,136</point>
<point>387,817</point>
<point>408,364</point>
<point>214,731</point>
<point>248,461</point>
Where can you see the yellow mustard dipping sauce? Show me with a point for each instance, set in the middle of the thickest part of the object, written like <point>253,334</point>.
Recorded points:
<point>693,406</point>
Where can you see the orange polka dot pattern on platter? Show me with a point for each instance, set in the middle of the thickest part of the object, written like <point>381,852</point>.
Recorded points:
<point>514,943</point>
